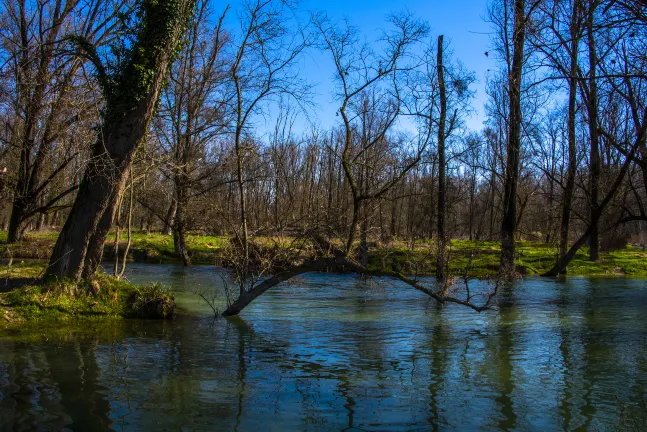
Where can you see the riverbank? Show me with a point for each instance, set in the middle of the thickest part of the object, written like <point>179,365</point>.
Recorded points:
<point>24,297</point>
<point>474,258</point>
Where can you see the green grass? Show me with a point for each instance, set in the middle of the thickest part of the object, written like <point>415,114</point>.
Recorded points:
<point>478,258</point>
<point>20,270</point>
<point>158,248</point>
<point>481,259</point>
<point>151,248</point>
<point>106,297</point>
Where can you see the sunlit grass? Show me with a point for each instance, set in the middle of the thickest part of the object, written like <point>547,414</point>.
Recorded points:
<point>153,248</point>
<point>477,258</point>
<point>64,300</point>
<point>481,258</point>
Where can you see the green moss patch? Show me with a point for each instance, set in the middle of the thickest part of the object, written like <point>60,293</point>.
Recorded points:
<point>103,297</point>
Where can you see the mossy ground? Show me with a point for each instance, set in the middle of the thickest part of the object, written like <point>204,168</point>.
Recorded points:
<point>477,258</point>
<point>152,248</point>
<point>106,297</point>
<point>158,248</point>
<point>481,259</point>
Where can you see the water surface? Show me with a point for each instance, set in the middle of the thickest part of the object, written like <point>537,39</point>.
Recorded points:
<point>334,352</point>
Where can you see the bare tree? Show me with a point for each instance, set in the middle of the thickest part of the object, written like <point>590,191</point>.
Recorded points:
<point>511,20</point>
<point>359,70</point>
<point>360,75</point>
<point>559,41</point>
<point>623,96</point>
<point>191,116</point>
<point>262,69</point>
<point>49,105</point>
<point>439,99</point>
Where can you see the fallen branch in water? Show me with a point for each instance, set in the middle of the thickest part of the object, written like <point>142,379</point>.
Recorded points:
<point>341,263</point>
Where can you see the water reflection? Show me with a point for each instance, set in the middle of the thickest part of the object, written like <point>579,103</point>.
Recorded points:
<point>334,354</point>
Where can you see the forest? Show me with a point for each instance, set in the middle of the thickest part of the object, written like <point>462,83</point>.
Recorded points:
<point>290,215</point>
<point>123,119</point>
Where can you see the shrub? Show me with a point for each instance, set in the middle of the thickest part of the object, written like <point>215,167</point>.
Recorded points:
<point>151,302</point>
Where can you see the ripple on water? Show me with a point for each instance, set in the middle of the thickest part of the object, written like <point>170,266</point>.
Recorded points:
<point>333,352</point>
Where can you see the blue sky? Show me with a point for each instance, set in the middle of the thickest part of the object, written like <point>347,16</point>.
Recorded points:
<point>460,21</point>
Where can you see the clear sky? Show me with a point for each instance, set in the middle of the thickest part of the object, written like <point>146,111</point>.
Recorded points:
<point>461,22</point>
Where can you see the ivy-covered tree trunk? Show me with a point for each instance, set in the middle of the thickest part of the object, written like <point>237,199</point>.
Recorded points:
<point>130,104</point>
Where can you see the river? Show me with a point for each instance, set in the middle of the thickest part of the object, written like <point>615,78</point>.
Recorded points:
<point>334,352</point>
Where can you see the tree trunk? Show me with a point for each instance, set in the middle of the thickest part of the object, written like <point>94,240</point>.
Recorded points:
<point>592,109</point>
<point>55,219</point>
<point>17,221</point>
<point>551,204</point>
<point>383,235</point>
<point>363,181</point>
<point>41,221</point>
<point>246,297</point>
<point>179,244</point>
<point>179,231</point>
<point>353,227</point>
<point>170,217</point>
<point>572,149</point>
<point>115,268</point>
<point>492,196</point>
<point>119,273</point>
<point>243,207</point>
<point>331,179</point>
<point>97,240</point>
<point>393,225</point>
<point>561,264</point>
<point>341,263</point>
<point>363,243</point>
<point>130,107</point>
<point>471,209</point>
<point>149,222</point>
<point>509,221</point>
<point>277,188</point>
<point>442,236</point>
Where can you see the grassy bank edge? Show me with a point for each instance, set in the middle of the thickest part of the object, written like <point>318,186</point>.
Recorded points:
<point>28,299</point>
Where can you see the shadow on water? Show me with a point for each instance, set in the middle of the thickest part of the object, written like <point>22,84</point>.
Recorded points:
<point>439,362</point>
<point>330,353</point>
<point>505,342</point>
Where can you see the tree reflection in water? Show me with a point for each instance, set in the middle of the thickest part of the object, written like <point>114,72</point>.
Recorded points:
<point>338,355</point>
